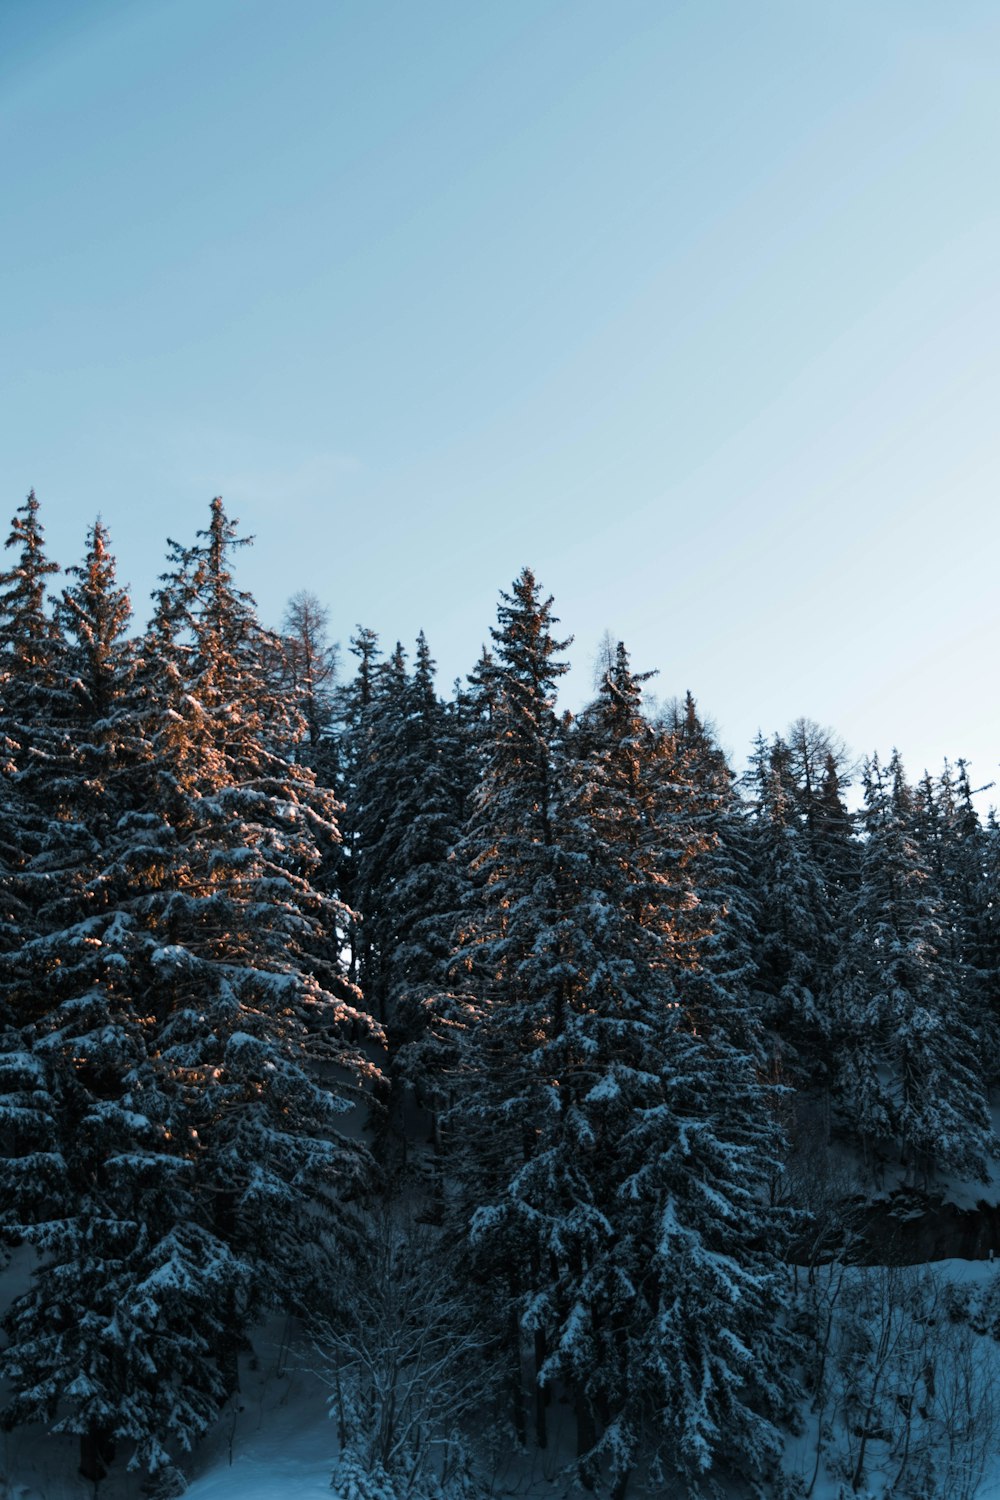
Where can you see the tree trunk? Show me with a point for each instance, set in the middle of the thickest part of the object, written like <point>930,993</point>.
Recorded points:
<point>228,1350</point>
<point>586,1437</point>
<point>621,1485</point>
<point>541,1393</point>
<point>97,1454</point>
<point>517,1383</point>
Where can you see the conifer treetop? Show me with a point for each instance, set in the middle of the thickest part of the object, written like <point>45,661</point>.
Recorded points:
<point>23,621</point>
<point>523,634</point>
<point>94,613</point>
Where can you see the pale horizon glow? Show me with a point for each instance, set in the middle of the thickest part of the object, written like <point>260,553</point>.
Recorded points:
<point>694,310</point>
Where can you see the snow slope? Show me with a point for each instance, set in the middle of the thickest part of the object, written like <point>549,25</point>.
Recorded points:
<point>278,1442</point>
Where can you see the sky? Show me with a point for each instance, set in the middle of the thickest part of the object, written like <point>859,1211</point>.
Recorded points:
<point>692,307</point>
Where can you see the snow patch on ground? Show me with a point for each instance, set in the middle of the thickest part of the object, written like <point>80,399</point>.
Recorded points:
<point>277,1442</point>
<point>283,1442</point>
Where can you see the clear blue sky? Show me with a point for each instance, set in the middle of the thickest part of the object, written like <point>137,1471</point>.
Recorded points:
<point>694,307</point>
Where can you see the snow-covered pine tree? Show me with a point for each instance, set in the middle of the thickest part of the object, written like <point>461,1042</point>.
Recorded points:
<point>248,972</point>
<point>620,1159</point>
<point>834,845</point>
<point>953,843</point>
<point>170,1139</point>
<point>703,1162</point>
<point>352,708</point>
<point>478,699</point>
<point>427,882</point>
<point>726,888</point>
<point>31,731</point>
<point>910,1080</point>
<point>509,952</point>
<point>987,934</point>
<point>377,747</point>
<point>29,640</point>
<point>639,1180</point>
<point>30,710</point>
<point>794,941</point>
<point>934,817</point>
<point>411,817</point>
<point>114,1340</point>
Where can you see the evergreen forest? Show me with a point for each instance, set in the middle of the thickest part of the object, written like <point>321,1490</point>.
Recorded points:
<point>548,1075</point>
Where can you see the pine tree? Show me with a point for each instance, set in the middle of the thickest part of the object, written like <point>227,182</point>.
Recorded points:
<point>353,704</point>
<point>30,712</point>
<point>620,1198</point>
<point>410,884</point>
<point>987,936</point>
<point>509,949</point>
<point>105,1344</point>
<point>414,818</point>
<point>795,944</point>
<point>833,843</point>
<point>249,963</point>
<point>169,1133</point>
<point>649,1176</point>
<point>29,640</point>
<point>378,744</point>
<point>910,1080</point>
<point>954,845</point>
<point>727,890</point>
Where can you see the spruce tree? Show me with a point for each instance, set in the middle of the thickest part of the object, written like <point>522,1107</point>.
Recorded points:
<point>170,1136</point>
<point>30,710</point>
<point>29,640</point>
<point>910,1081</point>
<point>987,937</point>
<point>353,704</point>
<point>727,890</point>
<point>794,944</point>
<point>654,1168</point>
<point>508,956</point>
<point>248,966</point>
<point>106,1343</point>
<point>954,845</point>
<point>620,1142</point>
<point>414,815</point>
<point>378,744</point>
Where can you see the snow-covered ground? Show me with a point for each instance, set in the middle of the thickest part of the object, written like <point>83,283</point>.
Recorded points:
<point>283,1442</point>
<point>976,1472</point>
<point>278,1443</point>
<point>275,1443</point>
